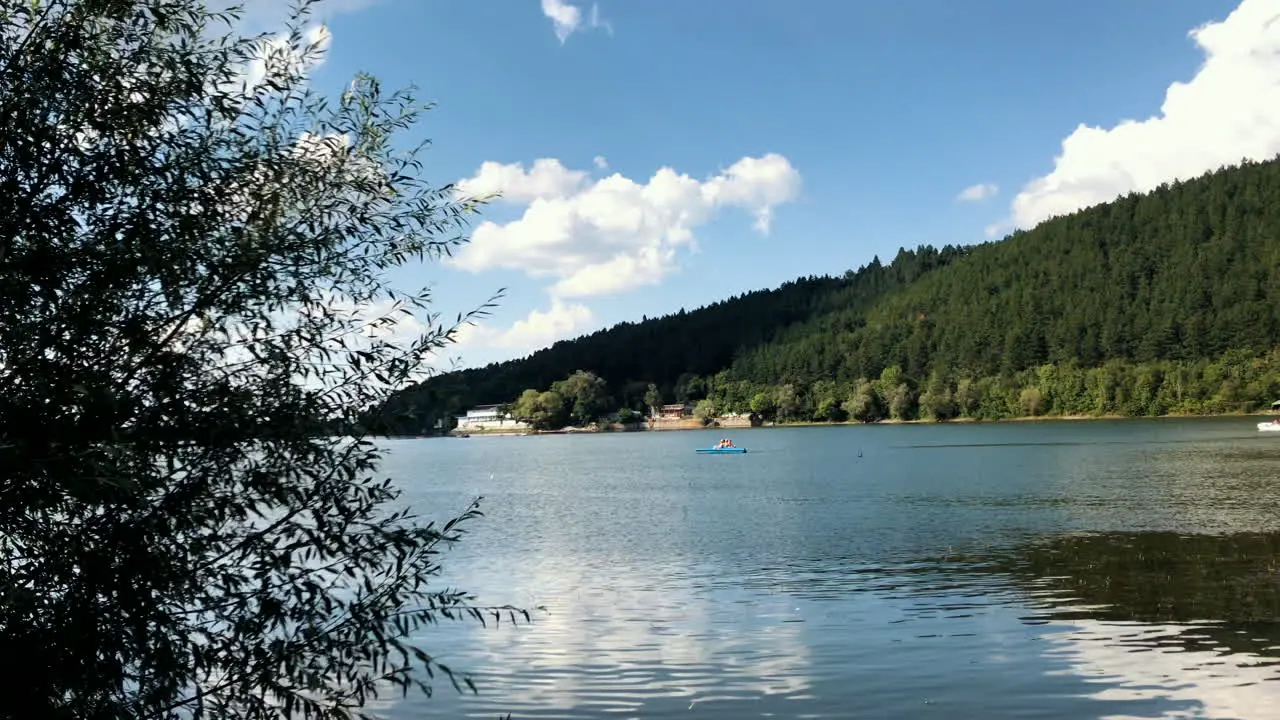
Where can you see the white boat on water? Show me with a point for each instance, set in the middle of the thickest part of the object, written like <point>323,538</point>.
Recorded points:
<point>1271,425</point>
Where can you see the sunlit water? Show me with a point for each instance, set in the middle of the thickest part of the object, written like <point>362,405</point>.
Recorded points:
<point>1037,570</point>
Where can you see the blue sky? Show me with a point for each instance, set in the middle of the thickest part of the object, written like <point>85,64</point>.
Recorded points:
<point>862,123</point>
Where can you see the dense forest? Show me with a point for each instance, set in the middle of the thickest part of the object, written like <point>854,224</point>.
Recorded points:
<point>1156,303</point>
<point>668,352</point>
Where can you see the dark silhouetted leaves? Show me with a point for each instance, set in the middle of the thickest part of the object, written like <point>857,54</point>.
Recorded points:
<point>193,312</point>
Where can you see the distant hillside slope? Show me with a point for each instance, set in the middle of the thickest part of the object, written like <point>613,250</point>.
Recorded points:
<point>1190,270</point>
<point>701,342</point>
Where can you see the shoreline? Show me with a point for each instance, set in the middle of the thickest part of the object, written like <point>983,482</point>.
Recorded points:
<point>1033,418</point>
<point>816,423</point>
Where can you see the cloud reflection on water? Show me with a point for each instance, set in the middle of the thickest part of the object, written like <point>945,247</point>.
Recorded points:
<point>613,651</point>
<point>1190,621</point>
<point>1140,661</point>
<point>796,585</point>
<point>1141,625</point>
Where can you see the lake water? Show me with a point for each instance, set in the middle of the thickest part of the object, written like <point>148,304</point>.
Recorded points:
<point>1025,570</point>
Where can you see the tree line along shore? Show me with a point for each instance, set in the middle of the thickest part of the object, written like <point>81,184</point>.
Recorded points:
<point>1235,383</point>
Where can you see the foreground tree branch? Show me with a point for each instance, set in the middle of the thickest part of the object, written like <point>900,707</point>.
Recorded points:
<point>194,312</point>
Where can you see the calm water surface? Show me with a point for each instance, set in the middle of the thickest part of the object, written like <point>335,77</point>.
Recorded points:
<point>1034,570</point>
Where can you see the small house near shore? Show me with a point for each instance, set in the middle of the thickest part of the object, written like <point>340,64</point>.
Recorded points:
<point>675,411</point>
<point>488,417</point>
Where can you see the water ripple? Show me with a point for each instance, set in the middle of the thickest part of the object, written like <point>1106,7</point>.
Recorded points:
<point>1001,572</point>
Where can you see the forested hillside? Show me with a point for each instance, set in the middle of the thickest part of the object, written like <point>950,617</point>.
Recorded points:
<point>1188,271</point>
<point>668,352</point>
<point>1155,303</point>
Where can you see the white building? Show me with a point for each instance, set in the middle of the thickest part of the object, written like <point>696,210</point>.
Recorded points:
<point>488,417</point>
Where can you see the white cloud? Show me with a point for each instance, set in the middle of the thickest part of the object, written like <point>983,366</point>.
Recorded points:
<point>536,330</point>
<point>547,178</point>
<point>565,18</point>
<point>278,56</point>
<point>596,21</point>
<point>646,266</point>
<point>614,234</point>
<point>600,162</point>
<point>568,19</point>
<point>981,191</point>
<point>331,161</point>
<point>404,328</point>
<point>386,320</point>
<point>1228,111</point>
<point>270,18</point>
<point>270,15</point>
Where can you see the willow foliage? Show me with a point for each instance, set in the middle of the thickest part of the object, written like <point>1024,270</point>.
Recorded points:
<point>194,307</point>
